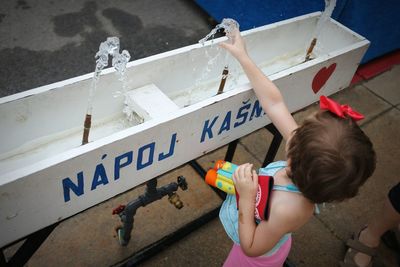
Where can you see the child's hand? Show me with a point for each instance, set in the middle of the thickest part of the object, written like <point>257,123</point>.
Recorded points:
<point>235,44</point>
<point>246,181</point>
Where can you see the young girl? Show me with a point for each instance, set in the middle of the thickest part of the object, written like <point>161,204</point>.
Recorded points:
<point>328,159</point>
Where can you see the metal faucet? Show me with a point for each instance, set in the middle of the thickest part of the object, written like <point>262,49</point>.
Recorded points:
<point>126,213</point>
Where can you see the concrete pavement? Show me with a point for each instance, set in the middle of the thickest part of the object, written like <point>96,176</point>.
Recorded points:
<point>46,41</point>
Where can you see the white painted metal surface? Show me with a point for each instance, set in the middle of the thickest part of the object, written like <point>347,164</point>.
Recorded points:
<point>47,176</point>
<point>149,102</point>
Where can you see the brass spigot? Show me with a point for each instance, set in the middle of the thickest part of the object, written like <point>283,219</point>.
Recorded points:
<point>310,49</point>
<point>175,200</point>
<point>86,129</point>
<point>223,80</point>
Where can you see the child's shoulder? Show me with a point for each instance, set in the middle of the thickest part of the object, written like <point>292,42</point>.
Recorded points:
<point>293,209</point>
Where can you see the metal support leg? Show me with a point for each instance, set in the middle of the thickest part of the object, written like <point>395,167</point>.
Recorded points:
<point>161,244</point>
<point>3,262</point>
<point>274,146</point>
<point>29,247</point>
<point>231,150</point>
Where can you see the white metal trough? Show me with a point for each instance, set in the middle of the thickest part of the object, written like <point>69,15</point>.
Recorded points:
<point>46,175</point>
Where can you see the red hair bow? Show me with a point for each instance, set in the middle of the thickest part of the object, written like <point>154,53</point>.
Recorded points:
<point>339,110</point>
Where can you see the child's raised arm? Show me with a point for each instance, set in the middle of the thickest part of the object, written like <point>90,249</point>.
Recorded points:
<point>267,93</point>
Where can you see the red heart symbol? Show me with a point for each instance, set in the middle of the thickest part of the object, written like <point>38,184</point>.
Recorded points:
<point>321,77</point>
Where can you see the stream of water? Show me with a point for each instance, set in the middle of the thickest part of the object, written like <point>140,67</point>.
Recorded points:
<point>108,48</point>
<point>213,57</point>
<point>324,18</point>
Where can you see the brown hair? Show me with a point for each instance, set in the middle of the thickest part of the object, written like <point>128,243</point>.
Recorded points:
<point>330,158</point>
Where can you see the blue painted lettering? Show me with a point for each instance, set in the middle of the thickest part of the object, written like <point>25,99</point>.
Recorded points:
<point>99,177</point>
<point>118,165</point>
<point>207,129</point>
<point>69,185</point>
<point>226,124</point>
<point>163,156</point>
<point>257,110</point>
<point>242,114</point>
<point>150,147</point>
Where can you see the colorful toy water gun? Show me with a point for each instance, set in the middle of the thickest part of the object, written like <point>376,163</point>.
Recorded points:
<point>221,177</point>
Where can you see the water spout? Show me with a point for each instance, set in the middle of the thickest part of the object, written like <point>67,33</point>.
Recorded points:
<point>329,7</point>
<point>225,73</point>
<point>310,49</point>
<point>228,25</point>
<point>119,60</point>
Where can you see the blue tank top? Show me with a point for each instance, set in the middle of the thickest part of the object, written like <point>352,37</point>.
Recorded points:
<point>229,214</point>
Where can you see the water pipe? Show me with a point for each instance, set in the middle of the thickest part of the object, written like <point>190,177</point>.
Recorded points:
<point>127,213</point>
<point>310,49</point>
<point>223,80</point>
<point>86,129</point>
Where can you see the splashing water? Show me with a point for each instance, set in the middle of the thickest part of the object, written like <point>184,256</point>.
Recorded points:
<point>211,62</point>
<point>119,60</point>
<point>108,48</point>
<point>229,25</point>
<point>325,16</point>
<point>119,63</point>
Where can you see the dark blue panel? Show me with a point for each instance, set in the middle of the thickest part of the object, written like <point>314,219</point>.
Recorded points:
<point>256,13</point>
<point>375,20</point>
